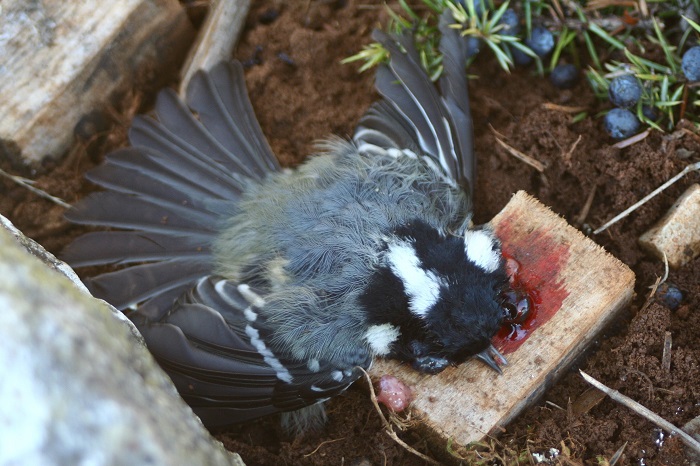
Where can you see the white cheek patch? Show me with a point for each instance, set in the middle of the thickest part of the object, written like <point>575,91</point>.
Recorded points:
<point>380,338</point>
<point>480,247</point>
<point>422,286</point>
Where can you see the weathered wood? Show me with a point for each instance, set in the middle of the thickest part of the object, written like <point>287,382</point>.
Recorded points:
<point>580,287</point>
<point>217,38</point>
<point>677,234</point>
<point>61,60</point>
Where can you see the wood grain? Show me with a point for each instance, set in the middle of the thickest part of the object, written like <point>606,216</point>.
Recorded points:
<point>217,38</point>
<point>61,60</point>
<point>580,287</point>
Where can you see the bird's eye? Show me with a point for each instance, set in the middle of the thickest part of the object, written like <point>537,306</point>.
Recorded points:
<point>516,307</point>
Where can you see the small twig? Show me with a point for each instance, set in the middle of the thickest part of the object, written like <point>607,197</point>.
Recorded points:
<point>632,140</point>
<point>666,357</point>
<point>652,293</point>
<point>387,425</point>
<point>27,183</point>
<point>563,108</point>
<point>570,152</point>
<point>632,208</point>
<point>643,411</point>
<point>558,9</point>
<point>496,132</point>
<point>650,385</point>
<point>686,131</point>
<point>586,207</point>
<point>322,444</point>
<point>643,8</point>
<point>536,164</point>
<point>554,405</point>
<point>665,277</point>
<point>684,103</point>
<point>618,454</point>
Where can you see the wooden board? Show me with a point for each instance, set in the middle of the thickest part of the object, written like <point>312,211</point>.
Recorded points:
<point>217,37</point>
<point>62,59</point>
<point>578,288</point>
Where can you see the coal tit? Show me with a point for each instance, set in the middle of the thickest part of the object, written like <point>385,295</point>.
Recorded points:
<point>262,290</point>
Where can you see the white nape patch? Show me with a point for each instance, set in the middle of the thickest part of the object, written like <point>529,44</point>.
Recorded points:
<point>480,247</point>
<point>380,338</point>
<point>422,286</point>
<point>337,376</point>
<point>251,296</point>
<point>281,371</point>
<point>313,365</point>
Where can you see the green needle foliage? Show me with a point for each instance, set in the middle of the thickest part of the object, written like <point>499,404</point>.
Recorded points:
<point>665,88</point>
<point>484,27</point>
<point>609,40</point>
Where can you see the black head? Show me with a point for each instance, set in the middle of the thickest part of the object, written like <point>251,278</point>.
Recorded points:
<point>439,296</point>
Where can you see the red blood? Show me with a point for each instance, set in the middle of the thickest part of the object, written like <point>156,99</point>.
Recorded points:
<point>393,393</point>
<point>533,261</point>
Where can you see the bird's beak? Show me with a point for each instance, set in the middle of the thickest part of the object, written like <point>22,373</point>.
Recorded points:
<point>492,358</point>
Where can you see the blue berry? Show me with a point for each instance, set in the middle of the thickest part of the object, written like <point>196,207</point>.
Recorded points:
<point>620,123</point>
<point>690,64</point>
<point>625,91</point>
<point>473,46</point>
<point>541,41</point>
<point>564,76</point>
<point>669,295</point>
<point>510,22</point>
<point>520,58</point>
<point>650,112</point>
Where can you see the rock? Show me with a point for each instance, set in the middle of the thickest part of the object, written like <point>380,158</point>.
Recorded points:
<point>692,428</point>
<point>78,385</point>
<point>677,234</point>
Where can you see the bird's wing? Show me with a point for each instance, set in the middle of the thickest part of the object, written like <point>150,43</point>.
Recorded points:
<point>170,189</point>
<point>216,347</point>
<point>414,116</point>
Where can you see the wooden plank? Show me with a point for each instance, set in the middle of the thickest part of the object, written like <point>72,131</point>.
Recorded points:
<point>577,287</point>
<point>217,38</point>
<point>61,60</point>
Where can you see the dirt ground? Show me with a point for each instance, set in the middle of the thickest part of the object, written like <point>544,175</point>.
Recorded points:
<point>302,93</point>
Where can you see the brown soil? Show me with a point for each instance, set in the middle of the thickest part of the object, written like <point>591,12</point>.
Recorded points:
<point>302,93</point>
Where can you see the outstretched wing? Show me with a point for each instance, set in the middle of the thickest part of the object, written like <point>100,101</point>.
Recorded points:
<point>417,119</point>
<point>216,347</point>
<point>170,189</point>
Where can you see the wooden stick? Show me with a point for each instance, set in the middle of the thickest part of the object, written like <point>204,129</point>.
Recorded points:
<point>217,39</point>
<point>536,164</point>
<point>643,411</point>
<point>666,358</point>
<point>648,197</point>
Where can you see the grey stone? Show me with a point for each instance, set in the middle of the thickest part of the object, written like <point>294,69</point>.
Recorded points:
<point>78,386</point>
